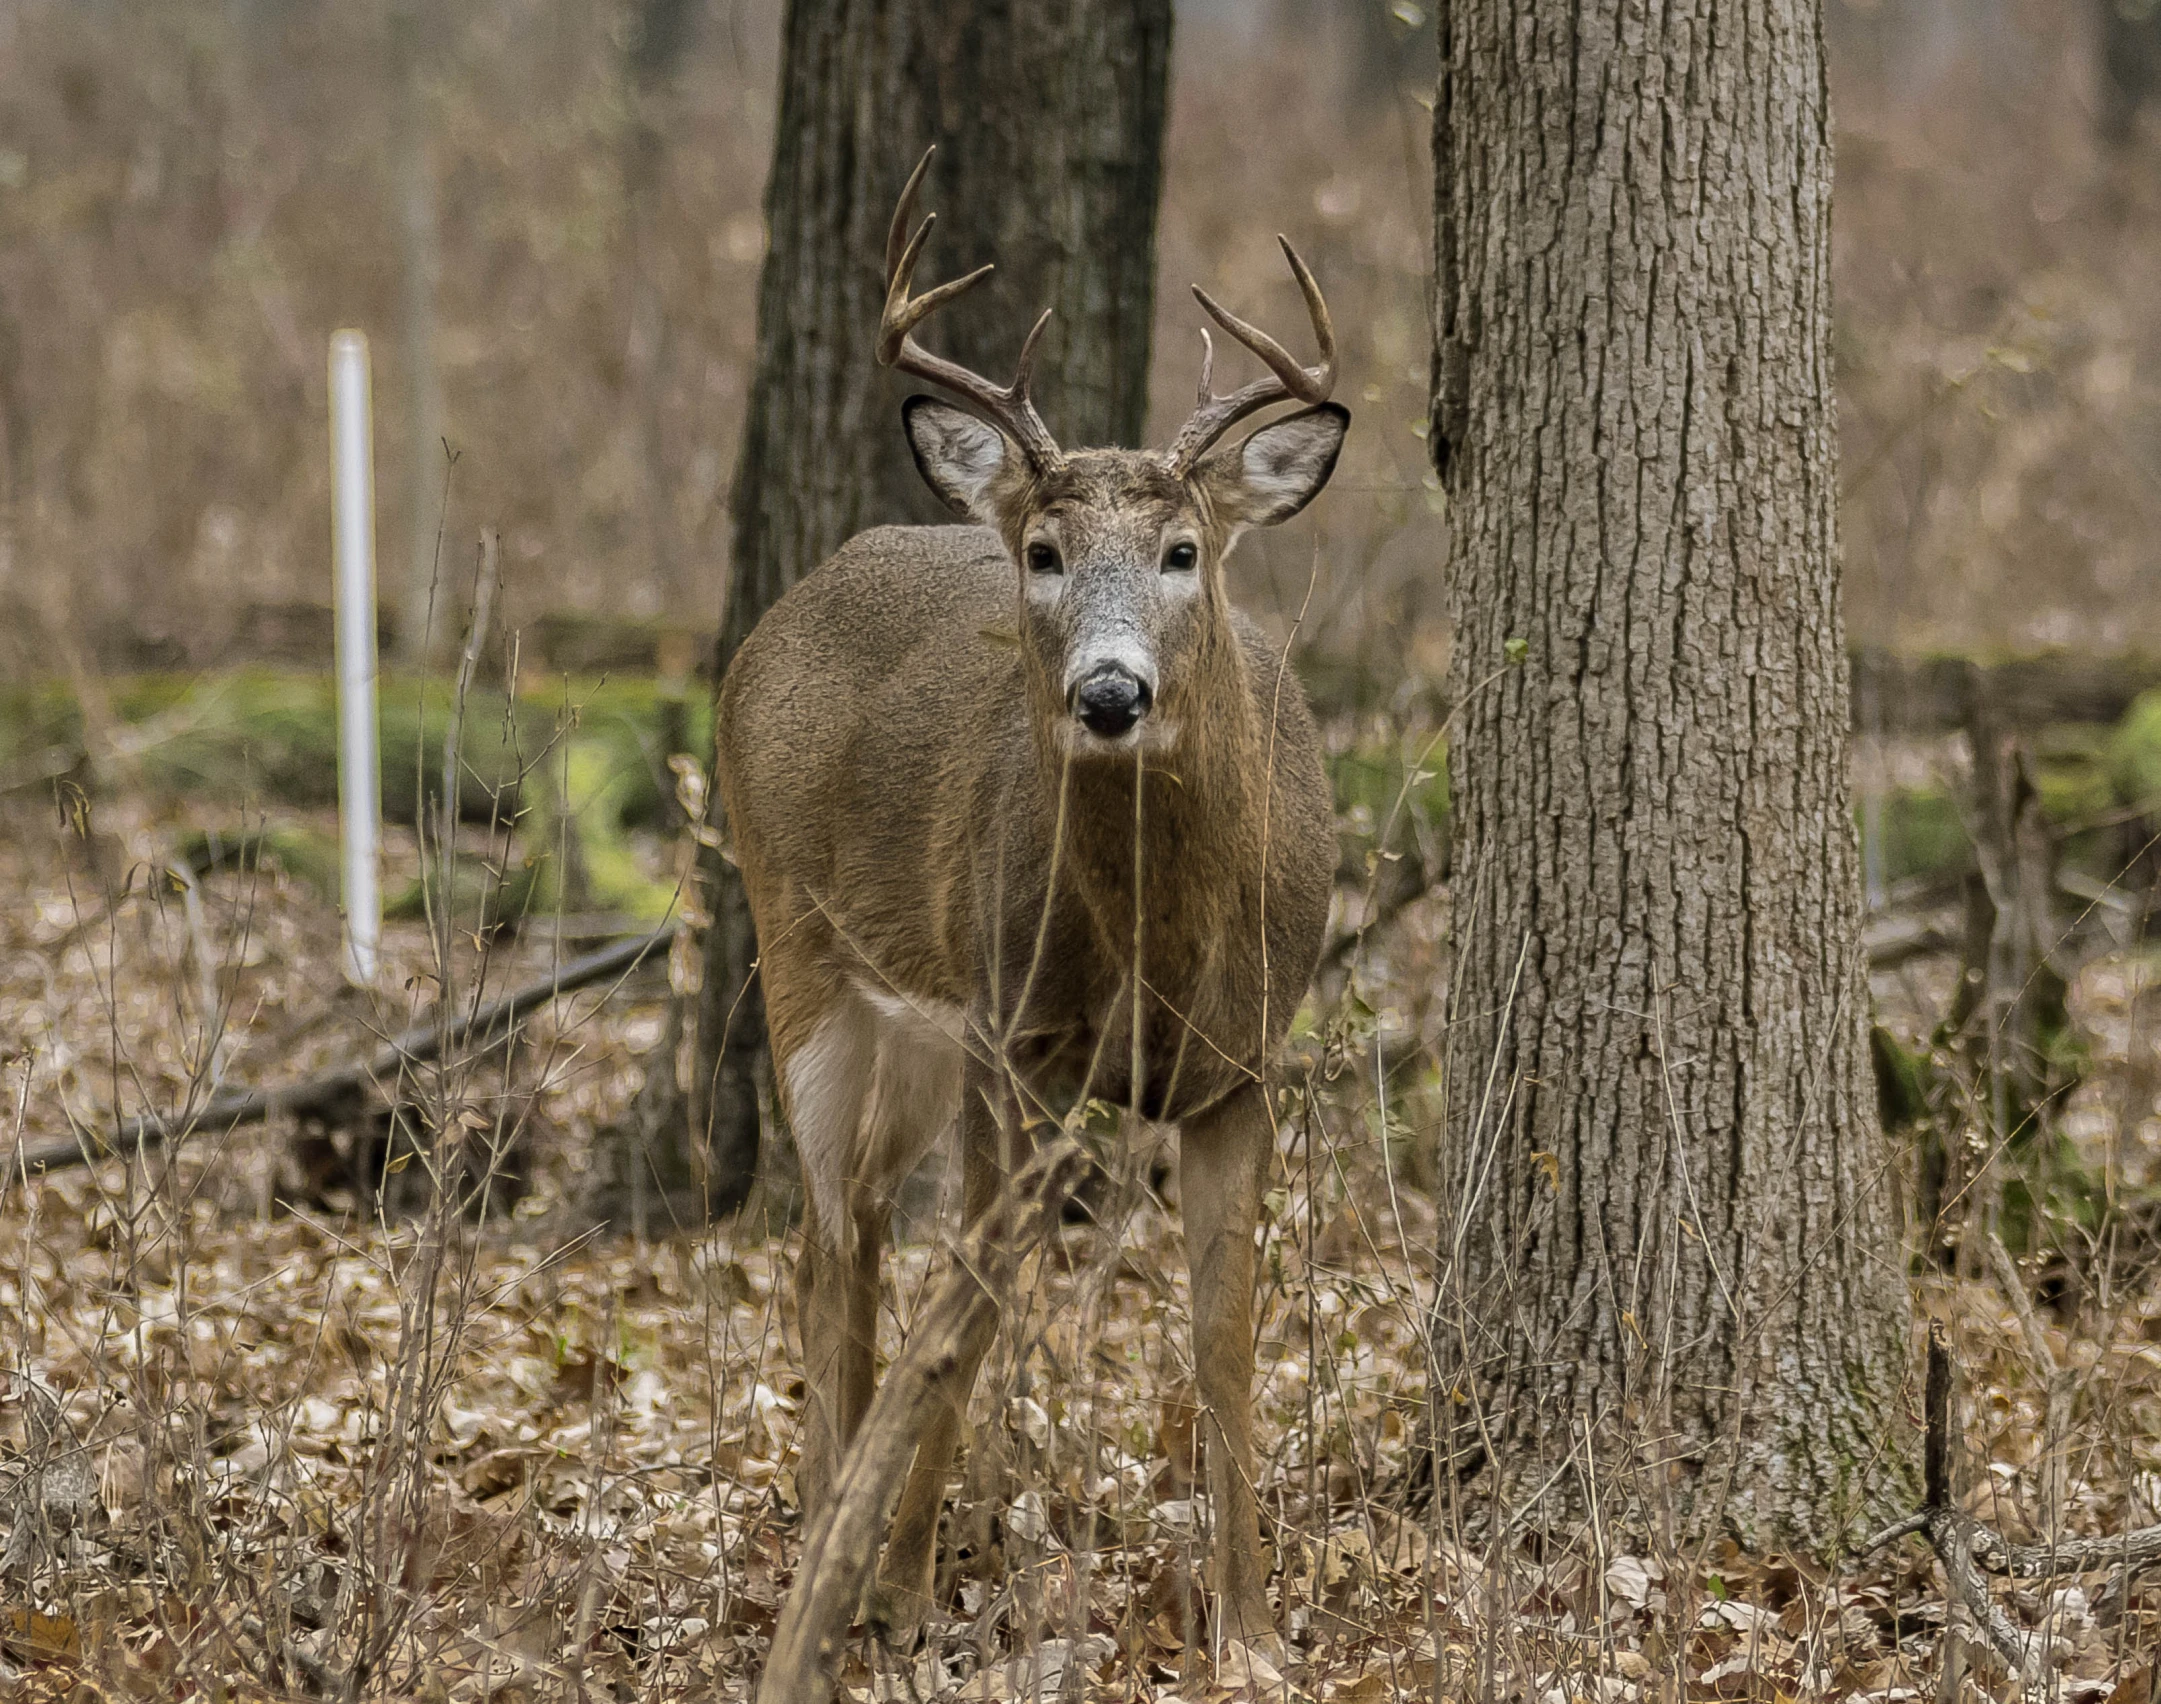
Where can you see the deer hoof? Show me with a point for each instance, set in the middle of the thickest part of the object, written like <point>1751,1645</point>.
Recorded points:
<point>894,1611</point>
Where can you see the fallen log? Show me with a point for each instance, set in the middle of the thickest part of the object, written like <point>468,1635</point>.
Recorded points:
<point>1892,940</point>
<point>1888,941</point>
<point>1969,1550</point>
<point>342,1085</point>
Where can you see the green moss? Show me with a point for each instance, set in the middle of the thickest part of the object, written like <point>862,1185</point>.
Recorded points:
<point>2133,754</point>
<point>575,769</point>
<point>2074,790</point>
<point>1379,791</point>
<point>1922,835</point>
<point>484,896</point>
<point>265,736</point>
<point>2052,1190</point>
<point>300,853</point>
<point>576,854</point>
<point>637,725</point>
<point>36,717</point>
<point>1348,686</point>
<point>600,791</point>
<point>258,736</point>
<point>1903,1080</point>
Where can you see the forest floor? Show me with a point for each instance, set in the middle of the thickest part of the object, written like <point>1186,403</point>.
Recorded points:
<point>261,1435</point>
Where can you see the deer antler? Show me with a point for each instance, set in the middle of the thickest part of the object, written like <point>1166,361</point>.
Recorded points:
<point>1215,415</point>
<point>1010,408</point>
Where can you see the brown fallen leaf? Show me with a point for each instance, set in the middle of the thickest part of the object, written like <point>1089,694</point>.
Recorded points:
<point>2135,1688</point>
<point>39,1638</point>
<point>583,1377</point>
<point>500,1471</point>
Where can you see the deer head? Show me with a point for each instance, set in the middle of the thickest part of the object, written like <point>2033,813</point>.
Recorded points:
<point>1118,554</point>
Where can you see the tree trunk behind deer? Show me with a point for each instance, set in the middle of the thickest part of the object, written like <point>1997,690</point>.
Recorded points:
<point>1049,127</point>
<point>1669,1232</point>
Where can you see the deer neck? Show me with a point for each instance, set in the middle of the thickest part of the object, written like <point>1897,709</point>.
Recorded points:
<point>1187,817</point>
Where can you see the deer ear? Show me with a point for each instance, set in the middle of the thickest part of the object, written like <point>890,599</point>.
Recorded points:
<point>959,456</point>
<point>1279,469</point>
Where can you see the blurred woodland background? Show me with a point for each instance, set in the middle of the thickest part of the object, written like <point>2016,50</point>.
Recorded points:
<point>547,216</point>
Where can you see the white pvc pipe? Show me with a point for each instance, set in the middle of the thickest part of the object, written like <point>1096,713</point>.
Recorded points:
<point>352,537</point>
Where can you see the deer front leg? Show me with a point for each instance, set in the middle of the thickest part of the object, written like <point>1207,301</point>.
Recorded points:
<point>823,1080</point>
<point>1222,1156</point>
<point>902,1597</point>
<point>837,1278</point>
<point>817,1460</point>
<point>870,1223</point>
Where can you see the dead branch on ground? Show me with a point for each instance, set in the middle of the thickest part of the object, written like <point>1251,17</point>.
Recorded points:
<point>1970,1550</point>
<point>331,1092</point>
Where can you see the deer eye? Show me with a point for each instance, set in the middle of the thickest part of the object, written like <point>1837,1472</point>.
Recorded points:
<point>1043,559</point>
<point>1180,559</point>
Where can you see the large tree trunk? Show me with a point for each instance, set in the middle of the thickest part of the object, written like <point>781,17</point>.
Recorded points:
<point>1671,1214</point>
<point>1049,127</point>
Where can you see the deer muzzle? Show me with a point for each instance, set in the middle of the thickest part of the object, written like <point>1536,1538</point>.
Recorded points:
<point>1110,700</point>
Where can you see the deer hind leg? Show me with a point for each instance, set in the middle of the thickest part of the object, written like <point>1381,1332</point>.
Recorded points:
<point>904,1592</point>
<point>824,1082</point>
<point>1223,1153</point>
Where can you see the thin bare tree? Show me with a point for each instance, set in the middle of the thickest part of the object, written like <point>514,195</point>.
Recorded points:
<point>420,264</point>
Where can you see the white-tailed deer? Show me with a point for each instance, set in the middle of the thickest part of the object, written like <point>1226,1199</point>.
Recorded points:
<point>1029,814</point>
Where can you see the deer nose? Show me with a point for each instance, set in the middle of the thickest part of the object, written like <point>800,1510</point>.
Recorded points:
<point>1111,700</point>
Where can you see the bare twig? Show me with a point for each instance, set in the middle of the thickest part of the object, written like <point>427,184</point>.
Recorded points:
<point>485,575</point>
<point>841,1549</point>
<point>1892,1534</point>
<point>2060,1387</point>
<point>1951,1530</point>
<point>1406,880</point>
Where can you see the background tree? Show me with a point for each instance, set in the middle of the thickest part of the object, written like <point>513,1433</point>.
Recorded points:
<point>1049,128</point>
<point>1670,1217</point>
<point>660,38</point>
<point>2130,32</point>
<point>423,603</point>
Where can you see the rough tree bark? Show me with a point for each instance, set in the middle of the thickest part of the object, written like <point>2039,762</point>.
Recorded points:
<point>1049,127</point>
<point>1671,1216</point>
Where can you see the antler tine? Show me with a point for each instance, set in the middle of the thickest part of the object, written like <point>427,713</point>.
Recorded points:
<point>1009,408</point>
<point>903,312</point>
<point>1288,380</point>
<point>897,247</point>
<point>1024,368</point>
<point>1307,384</point>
